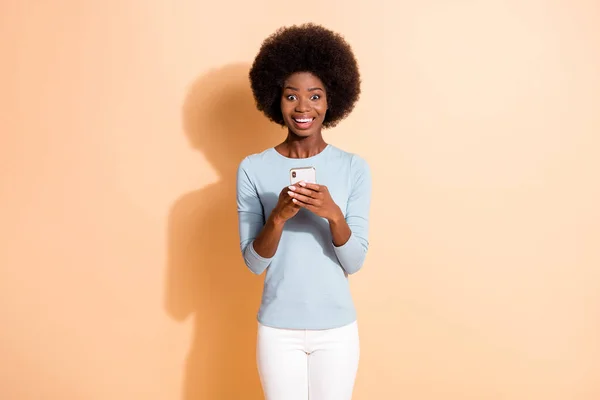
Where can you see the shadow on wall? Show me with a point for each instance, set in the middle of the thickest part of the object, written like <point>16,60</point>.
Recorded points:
<point>206,277</point>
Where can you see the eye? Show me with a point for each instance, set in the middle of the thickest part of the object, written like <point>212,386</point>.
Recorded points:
<point>315,97</point>
<point>291,97</point>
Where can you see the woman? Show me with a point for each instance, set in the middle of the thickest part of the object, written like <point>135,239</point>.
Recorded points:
<point>307,236</point>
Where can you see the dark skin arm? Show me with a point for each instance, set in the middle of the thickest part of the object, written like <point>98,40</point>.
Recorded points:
<point>267,241</point>
<point>317,199</point>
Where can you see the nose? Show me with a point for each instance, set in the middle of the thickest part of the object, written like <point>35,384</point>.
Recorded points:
<point>303,105</point>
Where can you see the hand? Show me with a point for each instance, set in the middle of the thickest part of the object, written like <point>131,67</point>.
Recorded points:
<point>285,208</point>
<point>315,198</point>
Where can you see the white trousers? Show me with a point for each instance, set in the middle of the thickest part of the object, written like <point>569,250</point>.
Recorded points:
<point>298,364</point>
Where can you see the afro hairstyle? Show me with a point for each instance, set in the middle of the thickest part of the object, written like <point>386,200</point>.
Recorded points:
<point>306,48</point>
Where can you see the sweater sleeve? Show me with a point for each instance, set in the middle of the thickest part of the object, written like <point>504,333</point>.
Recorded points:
<point>251,219</point>
<point>351,254</point>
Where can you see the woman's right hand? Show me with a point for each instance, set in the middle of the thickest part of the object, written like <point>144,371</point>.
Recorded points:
<point>285,208</point>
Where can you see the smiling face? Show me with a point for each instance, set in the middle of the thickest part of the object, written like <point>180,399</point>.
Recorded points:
<point>303,104</point>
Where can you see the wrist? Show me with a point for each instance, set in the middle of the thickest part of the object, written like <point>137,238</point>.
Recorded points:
<point>337,217</point>
<point>276,220</point>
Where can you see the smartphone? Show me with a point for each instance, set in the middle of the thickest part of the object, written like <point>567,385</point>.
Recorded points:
<point>306,174</point>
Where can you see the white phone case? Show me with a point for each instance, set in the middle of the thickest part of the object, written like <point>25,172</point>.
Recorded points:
<point>306,174</point>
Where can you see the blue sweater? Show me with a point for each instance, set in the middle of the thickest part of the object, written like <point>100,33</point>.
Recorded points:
<point>306,283</point>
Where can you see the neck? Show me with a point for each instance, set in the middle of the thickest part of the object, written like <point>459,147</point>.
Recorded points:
<point>296,146</point>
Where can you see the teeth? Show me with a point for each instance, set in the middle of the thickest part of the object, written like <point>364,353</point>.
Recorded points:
<point>304,120</point>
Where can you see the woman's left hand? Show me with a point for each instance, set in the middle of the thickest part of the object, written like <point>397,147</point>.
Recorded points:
<point>315,198</point>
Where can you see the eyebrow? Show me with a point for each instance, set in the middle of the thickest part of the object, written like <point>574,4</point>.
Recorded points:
<point>310,89</point>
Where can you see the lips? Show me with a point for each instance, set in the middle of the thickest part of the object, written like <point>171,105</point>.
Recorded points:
<point>303,123</point>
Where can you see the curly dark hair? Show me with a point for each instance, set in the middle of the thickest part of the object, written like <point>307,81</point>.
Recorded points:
<point>306,48</point>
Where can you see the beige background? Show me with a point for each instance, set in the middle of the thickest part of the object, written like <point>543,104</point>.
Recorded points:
<point>122,123</point>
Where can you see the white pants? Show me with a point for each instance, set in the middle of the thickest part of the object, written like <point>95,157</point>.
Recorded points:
<point>308,364</point>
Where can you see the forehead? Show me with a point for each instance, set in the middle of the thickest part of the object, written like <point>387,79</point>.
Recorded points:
<point>303,80</point>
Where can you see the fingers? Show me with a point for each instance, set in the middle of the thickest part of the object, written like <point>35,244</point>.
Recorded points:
<point>306,195</point>
<point>289,202</point>
<point>302,198</point>
<point>314,191</point>
<point>286,200</point>
<point>302,191</point>
<point>312,186</point>
<point>309,207</point>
